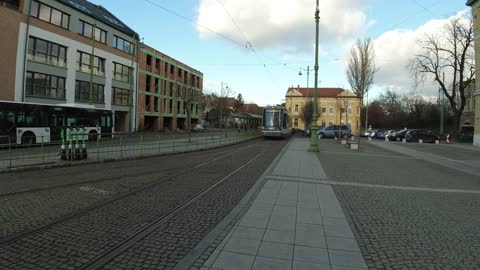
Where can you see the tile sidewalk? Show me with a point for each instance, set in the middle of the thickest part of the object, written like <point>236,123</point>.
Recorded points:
<point>292,224</point>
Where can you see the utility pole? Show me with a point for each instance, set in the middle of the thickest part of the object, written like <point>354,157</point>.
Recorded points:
<point>130,96</point>
<point>91,63</point>
<point>366,114</point>
<point>314,127</point>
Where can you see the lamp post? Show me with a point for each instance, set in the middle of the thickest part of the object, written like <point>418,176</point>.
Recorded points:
<point>308,73</point>
<point>314,127</point>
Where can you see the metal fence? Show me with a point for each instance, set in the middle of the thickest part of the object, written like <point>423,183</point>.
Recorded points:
<point>114,146</point>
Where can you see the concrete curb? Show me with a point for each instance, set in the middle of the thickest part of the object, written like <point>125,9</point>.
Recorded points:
<point>223,227</point>
<point>91,162</point>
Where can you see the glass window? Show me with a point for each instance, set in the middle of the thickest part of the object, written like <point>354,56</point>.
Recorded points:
<point>56,17</point>
<point>41,46</point>
<point>44,13</point>
<point>65,20</point>
<point>34,9</point>
<point>87,29</point>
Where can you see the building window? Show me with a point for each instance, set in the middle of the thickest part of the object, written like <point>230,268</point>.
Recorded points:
<point>323,122</point>
<point>324,109</point>
<point>349,110</point>
<point>49,14</point>
<point>13,4</point>
<point>123,45</point>
<point>84,62</point>
<point>148,79</point>
<point>43,85</point>
<point>332,110</point>
<point>296,108</point>
<point>82,92</point>
<point>358,109</point>
<point>120,96</point>
<point>295,122</point>
<point>121,72</point>
<point>47,52</point>
<point>90,31</point>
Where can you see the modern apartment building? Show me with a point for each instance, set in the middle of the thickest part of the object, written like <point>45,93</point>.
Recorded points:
<point>335,106</point>
<point>68,53</point>
<point>162,84</point>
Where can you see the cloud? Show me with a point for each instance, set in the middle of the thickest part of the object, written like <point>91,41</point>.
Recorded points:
<point>395,48</point>
<point>287,24</point>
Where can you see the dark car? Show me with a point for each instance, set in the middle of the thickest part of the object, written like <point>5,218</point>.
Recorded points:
<point>466,134</point>
<point>380,134</point>
<point>399,135</point>
<point>415,135</point>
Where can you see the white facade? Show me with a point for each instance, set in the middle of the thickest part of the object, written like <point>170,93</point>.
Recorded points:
<point>72,47</point>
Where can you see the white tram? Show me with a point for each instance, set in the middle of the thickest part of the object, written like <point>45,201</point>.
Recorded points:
<point>275,122</point>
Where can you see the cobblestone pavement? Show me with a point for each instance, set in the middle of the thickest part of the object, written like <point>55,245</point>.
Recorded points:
<point>72,243</point>
<point>422,216</point>
<point>32,198</point>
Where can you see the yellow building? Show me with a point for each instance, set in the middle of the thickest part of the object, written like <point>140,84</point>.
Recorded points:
<point>475,4</point>
<point>335,106</point>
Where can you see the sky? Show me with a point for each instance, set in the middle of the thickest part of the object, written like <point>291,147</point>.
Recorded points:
<point>257,47</point>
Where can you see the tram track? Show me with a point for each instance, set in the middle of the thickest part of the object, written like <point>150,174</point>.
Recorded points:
<point>115,178</point>
<point>23,234</point>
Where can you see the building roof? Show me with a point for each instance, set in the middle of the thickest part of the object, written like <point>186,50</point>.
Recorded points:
<point>471,2</point>
<point>323,92</point>
<point>101,14</point>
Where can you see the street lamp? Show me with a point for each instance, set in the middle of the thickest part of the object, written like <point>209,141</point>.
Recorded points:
<point>308,73</point>
<point>314,127</point>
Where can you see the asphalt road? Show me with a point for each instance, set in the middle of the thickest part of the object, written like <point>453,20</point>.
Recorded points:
<point>406,211</point>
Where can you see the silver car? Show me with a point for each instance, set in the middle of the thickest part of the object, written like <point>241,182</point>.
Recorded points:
<point>333,130</point>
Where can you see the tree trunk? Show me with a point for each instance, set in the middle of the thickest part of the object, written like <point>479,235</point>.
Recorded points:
<point>456,123</point>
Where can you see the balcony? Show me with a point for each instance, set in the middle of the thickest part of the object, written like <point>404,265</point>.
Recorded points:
<point>46,60</point>
<point>89,70</point>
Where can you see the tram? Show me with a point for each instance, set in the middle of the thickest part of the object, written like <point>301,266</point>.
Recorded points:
<point>275,122</point>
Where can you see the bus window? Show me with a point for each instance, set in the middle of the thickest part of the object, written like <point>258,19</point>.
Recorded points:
<point>109,121</point>
<point>11,117</point>
<point>103,120</point>
<point>71,121</point>
<point>21,119</point>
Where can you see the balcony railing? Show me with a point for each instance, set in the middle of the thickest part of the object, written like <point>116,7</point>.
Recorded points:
<point>88,70</point>
<point>47,60</point>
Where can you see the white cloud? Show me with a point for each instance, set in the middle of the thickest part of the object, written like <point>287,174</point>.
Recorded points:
<point>396,47</point>
<point>288,24</point>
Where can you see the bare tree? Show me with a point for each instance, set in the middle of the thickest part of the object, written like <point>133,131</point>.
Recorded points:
<point>306,114</point>
<point>361,68</point>
<point>191,99</point>
<point>451,53</point>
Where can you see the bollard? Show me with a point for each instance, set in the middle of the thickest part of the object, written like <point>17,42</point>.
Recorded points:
<point>437,142</point>
<point>70,144</point>
<point>404,140</point>
<point>369,138</point>
<point>77,146</point>
<point>420,140</point>
<point>386,139</point>
<point>63,151</point>
<point>84,145</point>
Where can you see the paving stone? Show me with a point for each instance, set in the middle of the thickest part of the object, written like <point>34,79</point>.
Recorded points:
<point>276,250</point>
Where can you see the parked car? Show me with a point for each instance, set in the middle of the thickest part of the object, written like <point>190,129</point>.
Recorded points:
<point>399,135</point>
<point>380,134</point>
<point>389,134</point>
<point>333,130</point>
<point>414,135</point>
<point>198,127</point>
<point>466,134</point>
